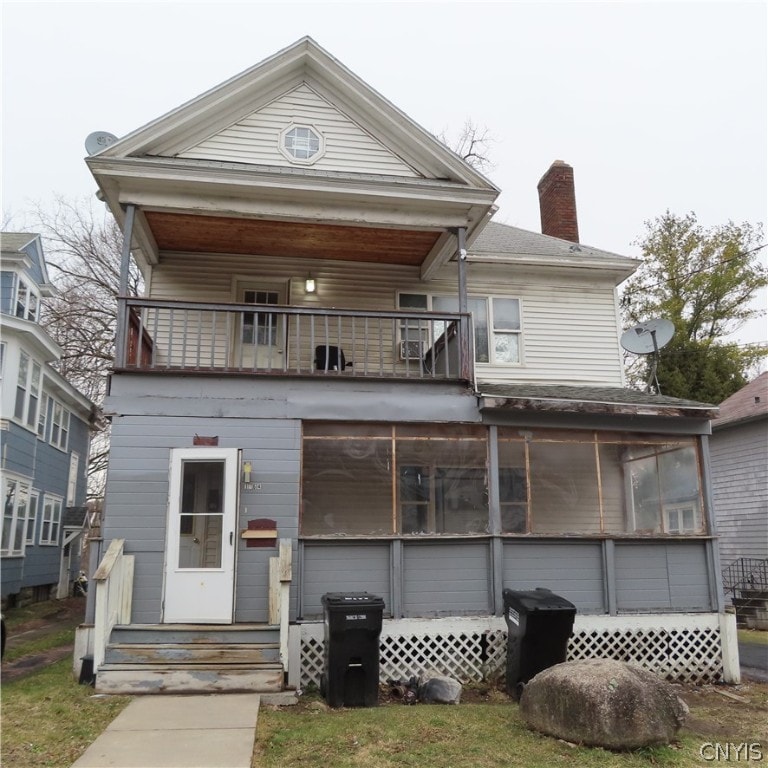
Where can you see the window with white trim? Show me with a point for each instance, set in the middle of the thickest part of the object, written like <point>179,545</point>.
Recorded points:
<point>15,511</point>
<point>496,321</point>
<point>34,500</point>
<point>42,417</point>
<point>59,426</point>
<point>74,464</point>
<point>2,359</point>
<point>51,520</point>
<point>27,301</point>
<point>27,390</point>
<point>302,143</point>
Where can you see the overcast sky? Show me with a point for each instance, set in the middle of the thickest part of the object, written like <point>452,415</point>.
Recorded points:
<point>656,105</point>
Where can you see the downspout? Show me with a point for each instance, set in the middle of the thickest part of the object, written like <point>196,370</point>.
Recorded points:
<point>122,314</point>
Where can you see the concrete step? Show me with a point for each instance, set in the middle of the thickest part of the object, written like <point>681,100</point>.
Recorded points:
<point>172,654</point>
<point>195,633</point>
<point>133,679</point>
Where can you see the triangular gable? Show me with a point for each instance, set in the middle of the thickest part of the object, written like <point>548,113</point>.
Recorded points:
<point>215,112</point>
<point>255,139</point>
<point>29,247</point>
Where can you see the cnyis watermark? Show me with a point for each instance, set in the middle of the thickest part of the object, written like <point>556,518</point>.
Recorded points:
<point>714,751</point>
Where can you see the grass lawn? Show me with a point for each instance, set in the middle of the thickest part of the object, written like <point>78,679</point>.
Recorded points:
<point>756,636</point>
<point>48,720</point>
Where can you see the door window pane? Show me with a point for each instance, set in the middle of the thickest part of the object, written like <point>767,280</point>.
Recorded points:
<point>201,520</point>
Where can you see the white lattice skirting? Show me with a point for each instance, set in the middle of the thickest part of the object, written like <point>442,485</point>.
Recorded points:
<point>679,647</point>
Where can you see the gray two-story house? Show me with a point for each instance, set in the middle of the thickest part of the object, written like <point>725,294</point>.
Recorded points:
<point>341,352</point>
<point>45,426</point>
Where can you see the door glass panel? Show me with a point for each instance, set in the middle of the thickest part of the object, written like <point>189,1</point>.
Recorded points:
<point>201,519</point>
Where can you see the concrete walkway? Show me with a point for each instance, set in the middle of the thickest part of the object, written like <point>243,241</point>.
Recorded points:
<point>212,731</point>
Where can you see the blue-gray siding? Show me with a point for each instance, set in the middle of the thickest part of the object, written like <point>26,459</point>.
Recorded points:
<point>660,576</point>
<point>47,469</point>
<point>739,459</point>
<point>572,569</point>
<point>446,579</point>
<point>345,568</point>
<point>137,501</point>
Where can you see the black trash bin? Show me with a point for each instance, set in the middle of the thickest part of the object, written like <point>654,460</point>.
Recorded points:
<point>539,624</point>
<point>352,628</point>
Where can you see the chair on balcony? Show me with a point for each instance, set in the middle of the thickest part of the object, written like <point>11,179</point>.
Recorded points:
<point>330,358</point>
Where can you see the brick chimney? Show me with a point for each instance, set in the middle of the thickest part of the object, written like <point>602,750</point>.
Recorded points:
<point>557,202</point>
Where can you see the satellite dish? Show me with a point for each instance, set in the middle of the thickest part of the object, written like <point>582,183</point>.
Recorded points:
<point>649,337</point>
<point>98,140</point>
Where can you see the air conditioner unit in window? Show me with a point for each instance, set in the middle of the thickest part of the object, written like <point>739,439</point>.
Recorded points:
<point>411,350</point>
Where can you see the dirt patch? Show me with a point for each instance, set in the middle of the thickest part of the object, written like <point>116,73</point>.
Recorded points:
<point>29,626</point>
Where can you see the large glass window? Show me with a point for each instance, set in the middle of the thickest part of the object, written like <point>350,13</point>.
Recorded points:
<point>27,301</point>
<point>384,480</point>
<point>59,426</point>
<point>558,482</point>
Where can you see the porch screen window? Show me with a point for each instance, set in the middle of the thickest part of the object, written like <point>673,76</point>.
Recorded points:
<point>15,516</point>
<point>386,480</point>
<point>202,514</point>
<point>555,482</point>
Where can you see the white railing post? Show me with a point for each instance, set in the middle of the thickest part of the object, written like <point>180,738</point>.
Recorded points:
<point>114,588</point>
<point>729,642</point>
<point>280,575</point>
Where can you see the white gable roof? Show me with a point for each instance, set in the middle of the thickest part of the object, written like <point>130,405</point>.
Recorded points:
<point>254,139</point>
<point>201,127</point>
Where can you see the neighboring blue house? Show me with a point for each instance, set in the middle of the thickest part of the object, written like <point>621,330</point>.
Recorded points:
<point>45,426</point>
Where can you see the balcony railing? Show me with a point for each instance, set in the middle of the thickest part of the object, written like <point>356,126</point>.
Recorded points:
<point>174,336</point>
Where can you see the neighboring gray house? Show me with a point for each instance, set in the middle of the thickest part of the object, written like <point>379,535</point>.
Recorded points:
<point>739,456</point>
<point>45,426</point>
<point>339,350</point>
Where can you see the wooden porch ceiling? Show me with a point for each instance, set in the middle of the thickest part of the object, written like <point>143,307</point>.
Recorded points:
<point>214,234</point>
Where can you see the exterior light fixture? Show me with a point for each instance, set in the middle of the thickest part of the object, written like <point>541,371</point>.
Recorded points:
<point>310,286</point>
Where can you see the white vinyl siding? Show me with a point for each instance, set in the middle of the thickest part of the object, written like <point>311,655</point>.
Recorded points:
<point>570,327</point>
<point>256,139</point>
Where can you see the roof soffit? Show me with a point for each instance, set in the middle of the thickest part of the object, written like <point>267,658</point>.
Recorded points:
<point>304,61</point>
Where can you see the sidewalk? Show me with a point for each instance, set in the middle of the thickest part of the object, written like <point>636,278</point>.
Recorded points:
<point>212,731</point>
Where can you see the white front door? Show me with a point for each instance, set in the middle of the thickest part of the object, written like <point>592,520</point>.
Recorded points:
<point>259,341</point>
<point>201,544</point>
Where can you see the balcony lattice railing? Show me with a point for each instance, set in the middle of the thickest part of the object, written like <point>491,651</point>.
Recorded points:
<point>173,336</point>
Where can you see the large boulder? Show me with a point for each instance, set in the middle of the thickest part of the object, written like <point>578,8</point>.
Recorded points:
<point>604,703</point>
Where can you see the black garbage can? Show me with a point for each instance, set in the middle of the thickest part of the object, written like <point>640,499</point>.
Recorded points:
<point>539,623</point>
<point>351,652</point>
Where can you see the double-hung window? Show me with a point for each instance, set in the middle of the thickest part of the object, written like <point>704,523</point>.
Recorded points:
<point>496,321</point>
<point>59,426</point>
<point>15,514</point>
<point>27,390</point>
<point>51,520</point>
<point>27,301</point>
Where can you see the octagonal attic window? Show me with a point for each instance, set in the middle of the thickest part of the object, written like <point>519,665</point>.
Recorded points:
<point>301,143</point>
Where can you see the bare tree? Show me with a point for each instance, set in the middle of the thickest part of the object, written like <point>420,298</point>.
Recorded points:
<point>472,144</point>
<point>83,246</point>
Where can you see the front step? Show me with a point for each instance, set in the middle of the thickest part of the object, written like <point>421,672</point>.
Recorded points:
<point>244,654</point>
<point>192,658</point>
<point>133,679</point>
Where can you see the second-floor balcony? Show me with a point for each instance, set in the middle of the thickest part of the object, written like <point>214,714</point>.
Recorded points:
<point>261,339</point>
